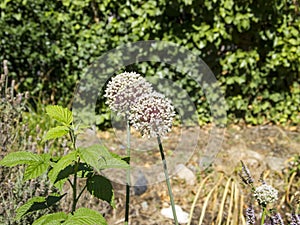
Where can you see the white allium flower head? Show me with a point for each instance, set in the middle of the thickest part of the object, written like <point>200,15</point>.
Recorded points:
<point>152,115</point>
<point>124,90</point>
<point>265,194</point>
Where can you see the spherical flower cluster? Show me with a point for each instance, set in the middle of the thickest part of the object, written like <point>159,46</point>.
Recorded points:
<point>265,194</point>
<point>124,90</point>
<point>149,112</point>
<point>153,115</point>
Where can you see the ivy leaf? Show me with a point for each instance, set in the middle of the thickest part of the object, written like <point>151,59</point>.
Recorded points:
<point>37,168</point>
<point>37,203</point>
<point>100,158</point>
<point>101,188</point>
<point>60,165</point>
<point>51,219</point>
<point>85,216</point>
<point>18,158</point>
<point>60,114</point>
<point>56,132</point>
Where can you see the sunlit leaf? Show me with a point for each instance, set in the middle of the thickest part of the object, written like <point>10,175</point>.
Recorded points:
<point>60,114</point>
<point>100,158</point>
<point>85,216</point>
<point>56,132</point>
<point>51,219</point>
<point>37,168</point>
<point>61,164</point>
<point>18,158</point>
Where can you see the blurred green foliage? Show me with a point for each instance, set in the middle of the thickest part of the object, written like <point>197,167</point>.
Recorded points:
<point>253,47</point>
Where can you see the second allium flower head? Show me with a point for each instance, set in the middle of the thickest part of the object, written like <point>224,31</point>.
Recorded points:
<point>265,194</point>
<point>148,111</point>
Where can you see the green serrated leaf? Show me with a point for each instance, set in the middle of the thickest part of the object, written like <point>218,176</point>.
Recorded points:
<point>56,132</point>
<point>37,203</point>
<point>61,164</point>
<point>24,209</point>
<point>51,219</point>
<point>101,188</point>
<point>65,173</point>
<point>18,158</point>
<point>60,114</point>
<point>100,158</point>
<point>85,216</point>
<point>113,163</point>
<point>52,199</point>
<point>36,169</point>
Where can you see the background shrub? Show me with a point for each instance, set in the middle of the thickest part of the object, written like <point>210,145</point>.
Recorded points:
<point>253,47</point>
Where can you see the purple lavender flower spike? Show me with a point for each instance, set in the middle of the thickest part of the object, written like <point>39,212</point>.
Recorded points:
<point>245,174</point>
<point>276,219</point>
<point>250,215</point>
<point>295,219</point>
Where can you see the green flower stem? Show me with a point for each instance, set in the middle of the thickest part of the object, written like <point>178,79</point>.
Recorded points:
<point>167,178</point>
<point>127,175</point>
<point>263,217</point>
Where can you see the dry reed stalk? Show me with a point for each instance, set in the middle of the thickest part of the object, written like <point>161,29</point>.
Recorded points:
<point>230,204</point>
<point>219,218</point>
<point>243,220</point>
<point>207,199</point>
<point>196,198</point>
<point>289,187</point>
<point>215,203</point>
<point>236,205</point>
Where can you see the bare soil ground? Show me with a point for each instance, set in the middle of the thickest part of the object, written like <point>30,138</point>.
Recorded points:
<point>266,149</point>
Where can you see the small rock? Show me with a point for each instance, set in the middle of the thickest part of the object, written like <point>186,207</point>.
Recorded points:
<point>185,173</point>
<point>140,186</point>
<point>275,163</point>
<point>145,206</point>
<point>182,217</point>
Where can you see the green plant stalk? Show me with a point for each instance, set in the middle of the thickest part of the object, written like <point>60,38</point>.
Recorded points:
<point>263,217</point>
<point>74,185</point>
<point>127,175</point>
<point>78,197</point>
<point>167,178</point>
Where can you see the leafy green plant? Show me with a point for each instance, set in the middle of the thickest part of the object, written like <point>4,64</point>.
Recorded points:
<point>79,163</point>
<point>15,134</point>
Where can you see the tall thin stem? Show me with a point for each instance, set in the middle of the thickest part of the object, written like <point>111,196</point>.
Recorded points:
<point>167,178</point>
<point>127,175</point>
<point>263,217</point>
<point>74,185</point>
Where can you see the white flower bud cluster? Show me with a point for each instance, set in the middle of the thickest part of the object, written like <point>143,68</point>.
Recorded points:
<point>265,194</point>
<point>148,111</point>
<point>124,90</point>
